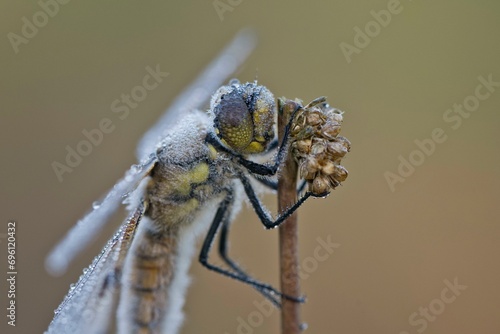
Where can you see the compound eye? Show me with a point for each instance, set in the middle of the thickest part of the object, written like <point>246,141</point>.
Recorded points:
<point>233,121</point>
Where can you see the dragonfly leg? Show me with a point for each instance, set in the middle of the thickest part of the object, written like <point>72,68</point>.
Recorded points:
<point>273,184</point>
<point>264,216</point>
<point>222,219</point>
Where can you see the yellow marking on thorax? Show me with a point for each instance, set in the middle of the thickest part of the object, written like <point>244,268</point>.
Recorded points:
<point>186,208</point>
<point>213,152</point>
<point>197,174</point>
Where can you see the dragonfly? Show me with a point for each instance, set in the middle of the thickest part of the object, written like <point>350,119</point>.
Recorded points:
<point>193,174</point>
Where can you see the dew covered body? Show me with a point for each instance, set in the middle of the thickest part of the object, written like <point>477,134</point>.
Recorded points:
<point>143,271</point>
<point>188,174</point>
<point>190,181</point>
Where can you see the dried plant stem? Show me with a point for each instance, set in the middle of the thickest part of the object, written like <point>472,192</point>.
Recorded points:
<point>287,196</point>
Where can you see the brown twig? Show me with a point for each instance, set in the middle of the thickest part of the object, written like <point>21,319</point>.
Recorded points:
<point>287,196</point>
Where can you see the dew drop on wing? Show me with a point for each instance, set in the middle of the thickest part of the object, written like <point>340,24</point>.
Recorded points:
<point>96,205</point>
<point>79,303</point>
<point>92,223</point>
<point>135,169</point>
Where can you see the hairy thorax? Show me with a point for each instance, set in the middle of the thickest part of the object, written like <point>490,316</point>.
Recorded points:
<point>188,173</point>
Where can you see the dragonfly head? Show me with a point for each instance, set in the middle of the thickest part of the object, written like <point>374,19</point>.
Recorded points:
<point>244,117</point>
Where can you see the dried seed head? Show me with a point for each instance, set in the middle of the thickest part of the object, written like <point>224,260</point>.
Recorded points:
<point>337,149</point>
<point>317,146</point>
<point>311,167</point>
<point>328,168</point>
<point>345,142</point>
<point>307,171</point>
<point>330,130</point>
<point>320,185</point>
<point>313,118</point>
<point>303,146</point>
<point>340,173</point>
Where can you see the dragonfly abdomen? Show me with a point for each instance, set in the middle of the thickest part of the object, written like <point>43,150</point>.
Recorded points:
<point>155,270</point>
<point>149,270</point>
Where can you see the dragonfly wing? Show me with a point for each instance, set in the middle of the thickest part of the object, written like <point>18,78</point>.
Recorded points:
<point>88,306</point>
<point>200,90</point>
<point>90,225</point>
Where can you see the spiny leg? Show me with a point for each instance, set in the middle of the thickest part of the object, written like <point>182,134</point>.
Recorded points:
<point>263,214</point>
<point>270,292</point>
<point>273,184</point>
<point>267,290</point>
<point>273,145</point>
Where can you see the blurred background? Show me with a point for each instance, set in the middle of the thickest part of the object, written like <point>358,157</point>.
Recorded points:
<point>414,228</point>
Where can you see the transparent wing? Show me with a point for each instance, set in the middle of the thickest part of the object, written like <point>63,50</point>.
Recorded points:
<point>90,225</point>
<point>200,90</point>
<point>88,306</point>
<point>191,99</point>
